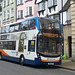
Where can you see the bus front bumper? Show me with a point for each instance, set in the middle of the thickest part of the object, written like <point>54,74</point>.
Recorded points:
<point>48,62</point>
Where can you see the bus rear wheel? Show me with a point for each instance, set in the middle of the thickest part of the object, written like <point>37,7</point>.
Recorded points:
<point>0,55</point>
<point>22,60</point>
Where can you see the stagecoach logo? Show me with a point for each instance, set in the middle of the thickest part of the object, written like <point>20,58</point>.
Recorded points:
<point>14,53</point>
<point>50,34</point>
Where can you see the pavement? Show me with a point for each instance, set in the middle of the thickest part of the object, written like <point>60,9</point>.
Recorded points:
<point>68,64</point>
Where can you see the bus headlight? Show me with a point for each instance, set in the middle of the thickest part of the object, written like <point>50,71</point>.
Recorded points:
<point>60,36</point>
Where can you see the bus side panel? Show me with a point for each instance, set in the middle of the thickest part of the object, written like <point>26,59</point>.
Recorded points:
<point>10,58</point>
<point>39,62</point>
<point>31,62</point>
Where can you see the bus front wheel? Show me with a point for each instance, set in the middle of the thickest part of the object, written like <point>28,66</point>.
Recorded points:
<point>22,60</point>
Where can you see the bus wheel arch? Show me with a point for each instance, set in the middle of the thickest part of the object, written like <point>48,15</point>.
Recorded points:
<point>21,59</point>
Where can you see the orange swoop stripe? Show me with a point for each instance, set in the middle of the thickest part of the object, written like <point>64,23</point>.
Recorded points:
<point>3,53</point>
<point>50,60</point>
<point>1,26</point>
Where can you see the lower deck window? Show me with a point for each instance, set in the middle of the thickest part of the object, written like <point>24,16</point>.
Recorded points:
<point>8,45</point>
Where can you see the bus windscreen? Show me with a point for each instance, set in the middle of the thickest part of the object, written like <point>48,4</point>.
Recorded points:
<point>49,37</point>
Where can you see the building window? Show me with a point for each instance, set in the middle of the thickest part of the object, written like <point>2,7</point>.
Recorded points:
<point>4,24</point>
<point>55,16</point>
<point>0,8</point>
<point>12,12</point>
<point>41,6</point>
<point>28,11</point>
<point>7,2</point>
<point>12,21</point>
<point>19,2</point>
<point>20,14</point>
<point>4,3</point>
<point>52,16</point>
<point>27,0</point>
<point>12,1</point>
<point>52,3</point>
<point>4,15</point>
<point>7,14</point>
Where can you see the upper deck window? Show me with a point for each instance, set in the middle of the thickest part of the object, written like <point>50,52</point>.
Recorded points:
<point>32,24</point>
<point>49,24</point>
<point>7,29</point>
<point>24,25</point>
<point>17,27</point>
<point>0,29</point>
<point>28,25</point>
<point>12,28</point>
<point>3,29</point>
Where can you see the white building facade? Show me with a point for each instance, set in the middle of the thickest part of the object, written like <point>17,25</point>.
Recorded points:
<point>52,8</point>
<point>48,7</point>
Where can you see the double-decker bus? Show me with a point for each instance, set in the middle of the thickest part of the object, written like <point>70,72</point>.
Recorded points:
<point>34,41</point>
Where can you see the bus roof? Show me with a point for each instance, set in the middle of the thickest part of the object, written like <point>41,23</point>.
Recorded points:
<point>29,19</point>
<point>40,17</point>
<point>53,20</point>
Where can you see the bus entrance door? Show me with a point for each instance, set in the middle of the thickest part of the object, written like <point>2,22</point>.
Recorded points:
<point>31,49</point>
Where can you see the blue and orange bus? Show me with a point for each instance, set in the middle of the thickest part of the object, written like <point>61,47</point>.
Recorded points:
<point>34,41</point>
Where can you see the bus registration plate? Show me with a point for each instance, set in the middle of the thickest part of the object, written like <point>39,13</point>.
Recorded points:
<point>50,63</point>
<point>51,60</point>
